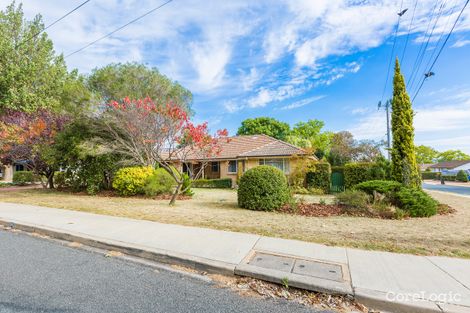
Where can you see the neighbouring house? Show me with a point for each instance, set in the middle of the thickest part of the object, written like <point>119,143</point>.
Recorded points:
<point>7,171</point>
<point>451,166</point>
<point>241,153</point>
<point>425,166</point>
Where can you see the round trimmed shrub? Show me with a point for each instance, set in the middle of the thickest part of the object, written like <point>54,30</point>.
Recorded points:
<point>160,182</point>
<point>462,176</point>
<point>263,188</point>
<point>130,181</point>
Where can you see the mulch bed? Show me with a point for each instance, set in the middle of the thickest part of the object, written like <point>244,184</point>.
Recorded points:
<point>326,210</point>
<point>314,209</point>
<point>445,209</point>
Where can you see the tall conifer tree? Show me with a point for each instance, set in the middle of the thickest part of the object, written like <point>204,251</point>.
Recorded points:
<point>404,166</point>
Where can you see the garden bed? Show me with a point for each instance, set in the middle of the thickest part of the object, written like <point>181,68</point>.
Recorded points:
<point>326,210</point>
<point>217,208</point>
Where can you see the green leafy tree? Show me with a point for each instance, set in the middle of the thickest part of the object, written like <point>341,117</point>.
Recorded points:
<point>264,125</point>
<point>309,135</point>
<point>136,81</point>
<point>87,166</point>
<point>344,149</point>
<point>452,155</point>
<point>404,166</point>
<point>426,155</point>
<point>31,75</point>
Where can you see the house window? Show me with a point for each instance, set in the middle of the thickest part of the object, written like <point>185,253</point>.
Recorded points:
<point>232,166</point>
<point>19,168</point>
<point>282,164</point>
<point>214,167</point>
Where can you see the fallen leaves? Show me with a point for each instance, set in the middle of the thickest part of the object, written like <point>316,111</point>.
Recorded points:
<point>253,287</point>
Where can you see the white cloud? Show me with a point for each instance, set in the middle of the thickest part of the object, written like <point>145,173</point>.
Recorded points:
<point>263,97</point>
<point>360,111</point>
<point>443,126</point>
<point>209,62</point>
<point>301,103</point>
<point>249,80</point>
<point>371,126</point>
<point>234,49</point>
<point>232,106</point>
<point>460,43</point>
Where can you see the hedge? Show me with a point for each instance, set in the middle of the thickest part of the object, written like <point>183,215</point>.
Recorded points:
<point>318,176</point>
<point>212,183</point>
<point>22,178</point>
<point>337,169</point>
<point>355,173</point>
<point>263,188</point>
<point>449,177</point>
<point>430,175</point>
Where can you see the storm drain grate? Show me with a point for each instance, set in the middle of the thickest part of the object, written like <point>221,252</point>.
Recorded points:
<point>298,266</point>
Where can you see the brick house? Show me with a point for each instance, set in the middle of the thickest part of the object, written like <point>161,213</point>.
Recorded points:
<point>241,153</point>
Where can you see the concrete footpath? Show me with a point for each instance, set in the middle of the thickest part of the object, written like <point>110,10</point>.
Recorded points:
<point>381,280</point>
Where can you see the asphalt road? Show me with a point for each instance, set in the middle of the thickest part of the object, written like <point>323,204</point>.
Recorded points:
<point>40,275</point>
<point>447,188</point>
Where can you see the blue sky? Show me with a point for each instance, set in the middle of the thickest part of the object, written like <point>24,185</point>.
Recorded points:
<point>291,60</point>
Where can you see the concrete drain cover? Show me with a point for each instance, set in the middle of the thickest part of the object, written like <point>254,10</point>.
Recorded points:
<point>273,262</point>
<point>298,266</point>
<point>318,269</point>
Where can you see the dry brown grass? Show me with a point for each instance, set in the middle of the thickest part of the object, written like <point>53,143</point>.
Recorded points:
<point>439,235</point>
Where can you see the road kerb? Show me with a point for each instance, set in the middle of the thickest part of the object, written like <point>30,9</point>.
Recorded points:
<point>157,255</point>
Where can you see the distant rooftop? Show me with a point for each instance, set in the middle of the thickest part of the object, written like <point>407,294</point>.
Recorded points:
<point>450,164</point>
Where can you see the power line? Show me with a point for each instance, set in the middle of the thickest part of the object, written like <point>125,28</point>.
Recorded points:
<point>440,37</point>
<point>422,45</point>
<point>55,22</point>
<point>118,29</point>
<point>440,50</point>
<point>420,58</point>
<point>393,49</point>
<point>408,35</point>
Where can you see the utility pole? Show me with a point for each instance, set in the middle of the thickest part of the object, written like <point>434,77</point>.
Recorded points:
<point>387,111</point>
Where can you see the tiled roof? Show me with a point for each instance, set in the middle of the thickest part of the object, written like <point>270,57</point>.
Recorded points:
<point>256,146</point>
<point>424,166</point>
<point>450,164</point>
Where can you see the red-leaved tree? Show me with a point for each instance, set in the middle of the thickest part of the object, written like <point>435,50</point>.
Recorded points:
<point>152,134</point>
<point>28,137</point>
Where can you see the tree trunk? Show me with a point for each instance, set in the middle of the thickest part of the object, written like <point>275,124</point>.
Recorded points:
<point>50,180</point>
<point>175,194</point>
